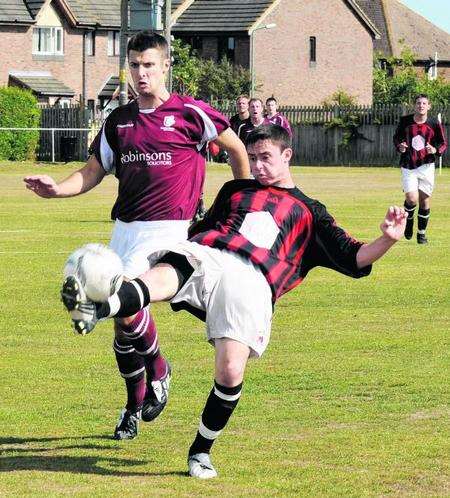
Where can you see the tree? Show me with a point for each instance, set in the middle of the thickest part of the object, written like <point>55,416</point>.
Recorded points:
<point>207,79</point>
<point>186,69</point>
<point>405,82</point>
<point>223,80</point>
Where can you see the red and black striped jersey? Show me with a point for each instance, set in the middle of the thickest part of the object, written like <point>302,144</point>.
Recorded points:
<point>280,230</point>
<point>417,136</point>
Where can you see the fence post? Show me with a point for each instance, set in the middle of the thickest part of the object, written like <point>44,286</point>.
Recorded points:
<point>53,145</point>
<point>336,145</point>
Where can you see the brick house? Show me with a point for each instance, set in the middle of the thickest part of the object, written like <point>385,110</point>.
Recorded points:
<point>47,38</point>
<point>400,26</point>
<point>315,48</point>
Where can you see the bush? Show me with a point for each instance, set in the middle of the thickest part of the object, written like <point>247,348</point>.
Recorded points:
<point>405,83</point>
<point>18,109</point>
<point>207,79</point>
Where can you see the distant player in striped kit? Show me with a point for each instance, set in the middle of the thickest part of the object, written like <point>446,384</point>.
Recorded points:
<point>419,139</point>
<point>156,148</point>
<point>259,240</point>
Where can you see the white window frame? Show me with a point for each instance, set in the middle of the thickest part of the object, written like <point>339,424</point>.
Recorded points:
<point>56,38</point>
<point>113,43</point>
<point>90,43</point>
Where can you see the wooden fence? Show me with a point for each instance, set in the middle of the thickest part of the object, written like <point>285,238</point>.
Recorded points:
<point>377,114</point>
<point>313,143</point>
<point>372,145</point>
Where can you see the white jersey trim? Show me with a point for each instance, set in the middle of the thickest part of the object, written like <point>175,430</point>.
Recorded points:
<point>106,153</point>
<point>210,132</point>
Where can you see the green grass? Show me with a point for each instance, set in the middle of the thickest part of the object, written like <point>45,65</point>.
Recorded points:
<point>350,399</point>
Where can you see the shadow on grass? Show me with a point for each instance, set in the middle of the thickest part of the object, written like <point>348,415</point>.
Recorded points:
<point>33,458</point>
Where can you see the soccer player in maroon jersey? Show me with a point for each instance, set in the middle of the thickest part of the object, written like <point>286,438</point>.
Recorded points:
<point>242,113</point>
<point>275,117</point>
<point>256,119</point>
<point>156,148</point>
<point>419,139</point>
<point>259,240</point>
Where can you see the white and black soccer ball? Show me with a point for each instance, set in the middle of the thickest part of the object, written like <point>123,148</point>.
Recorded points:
<point>99,269</point>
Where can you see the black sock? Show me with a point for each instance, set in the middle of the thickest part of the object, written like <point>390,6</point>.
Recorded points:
<point>409,208</point>
<point>422,220</point>
<point>129,299</point>
<point>218,409</point>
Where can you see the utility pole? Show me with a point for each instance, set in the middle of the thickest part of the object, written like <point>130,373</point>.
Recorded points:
<point>123,95</point>
<point>168,37</point>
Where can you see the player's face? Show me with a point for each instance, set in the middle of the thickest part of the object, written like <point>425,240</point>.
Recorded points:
<point>256,109</point>
<point>270,165</point>
<point>422,106</point>
<point>148,70</point>
<point>271,107</point>
<point>242,105</point>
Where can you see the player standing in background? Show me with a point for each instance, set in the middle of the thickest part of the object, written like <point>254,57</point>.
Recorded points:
<point>256,119</point>
<point>258,241</point>
<point>419,139</point>
<point>242,113</point>
<point>275,117</point>
<point>155,146</point>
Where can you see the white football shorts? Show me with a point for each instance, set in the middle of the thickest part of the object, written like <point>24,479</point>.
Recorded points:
<point>135,240</point>
<point>421,178</point>
<point>232,291</point>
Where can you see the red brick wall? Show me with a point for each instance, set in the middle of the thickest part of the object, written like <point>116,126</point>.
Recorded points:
<point>67,69</point>
<point>344,53</point>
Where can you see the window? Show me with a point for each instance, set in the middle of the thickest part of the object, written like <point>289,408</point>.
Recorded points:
<point>312,49</point>
<point>90,43</point>
<point>431,71</point>
<point>113,43</point>
<point>226,48</point>
<point>48,41</point>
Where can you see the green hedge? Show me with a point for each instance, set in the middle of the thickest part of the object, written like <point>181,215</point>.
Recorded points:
<point>18,109</point>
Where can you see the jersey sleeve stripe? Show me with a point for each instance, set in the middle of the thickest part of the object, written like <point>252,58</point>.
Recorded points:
<point>210,132</point>
<point>106,153</point>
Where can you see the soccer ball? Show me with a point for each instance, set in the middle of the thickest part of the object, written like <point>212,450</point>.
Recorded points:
<point>99,269</point>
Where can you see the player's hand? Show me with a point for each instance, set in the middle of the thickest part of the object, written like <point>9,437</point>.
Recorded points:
<point>42,185</point>
<point>430,149</point>
<point>403,147</point>
<point>394,223</point>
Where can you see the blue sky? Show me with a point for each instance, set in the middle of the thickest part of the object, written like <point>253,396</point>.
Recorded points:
<point>436,11</point>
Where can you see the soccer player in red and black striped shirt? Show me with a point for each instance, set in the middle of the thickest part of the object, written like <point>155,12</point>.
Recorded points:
<point>419,139</point>
<point>260,239</point>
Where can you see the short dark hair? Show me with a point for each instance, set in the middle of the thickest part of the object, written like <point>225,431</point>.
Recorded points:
<point>148,39</point>
<point>271,99</point>
<point>253,99</point>
<point>243,96</point>
<point>275,133</point>
<point>421,96</point>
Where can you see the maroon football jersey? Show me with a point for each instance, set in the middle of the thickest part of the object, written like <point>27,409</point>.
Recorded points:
<point>282,121</point>
<point>158,156</point>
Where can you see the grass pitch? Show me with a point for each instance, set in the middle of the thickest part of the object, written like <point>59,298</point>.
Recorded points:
<point>350,399</point>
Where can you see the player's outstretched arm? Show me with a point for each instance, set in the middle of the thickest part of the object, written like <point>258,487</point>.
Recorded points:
<point>392,228</point>
<point>229,141</point>
<point>77,183</point>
